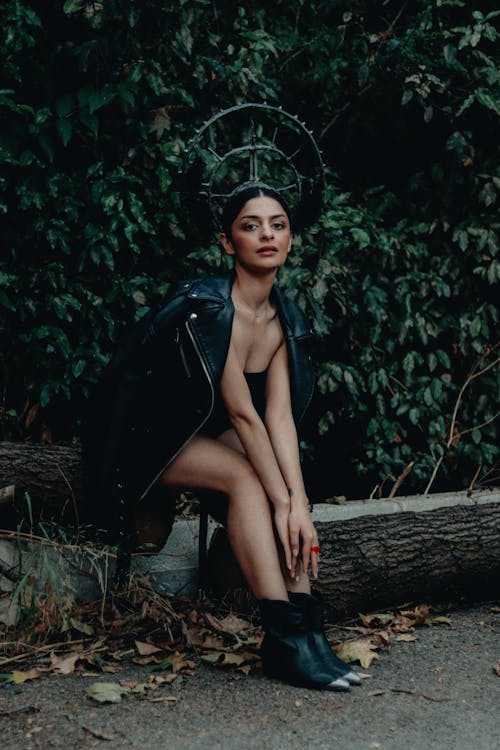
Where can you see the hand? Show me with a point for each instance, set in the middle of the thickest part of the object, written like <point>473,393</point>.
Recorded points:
<point>281,517</point>
<point>303,537</point>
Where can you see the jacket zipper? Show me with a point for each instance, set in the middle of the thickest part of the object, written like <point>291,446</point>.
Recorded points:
<point>181,350</point>
<point>199,352</point>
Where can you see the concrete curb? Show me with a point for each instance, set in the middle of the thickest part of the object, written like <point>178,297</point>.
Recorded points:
<point>325,512</point>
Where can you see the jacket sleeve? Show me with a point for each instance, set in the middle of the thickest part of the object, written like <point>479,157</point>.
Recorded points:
<point>112,405</point>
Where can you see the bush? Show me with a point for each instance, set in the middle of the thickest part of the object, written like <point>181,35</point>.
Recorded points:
<point>399,274</point>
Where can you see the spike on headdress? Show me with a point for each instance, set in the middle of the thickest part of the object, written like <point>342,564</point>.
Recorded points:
<point>250,144</point>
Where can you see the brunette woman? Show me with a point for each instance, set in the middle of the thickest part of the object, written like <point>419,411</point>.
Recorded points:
<point>206,396</point>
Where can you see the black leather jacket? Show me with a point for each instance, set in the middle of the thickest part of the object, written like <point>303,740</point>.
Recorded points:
<point>159,390</point>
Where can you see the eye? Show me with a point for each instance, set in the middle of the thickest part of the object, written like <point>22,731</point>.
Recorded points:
<point>249,227</point>
<point>279,225</point>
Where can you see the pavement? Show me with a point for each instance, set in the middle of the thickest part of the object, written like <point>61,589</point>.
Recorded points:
<point>440,691</point>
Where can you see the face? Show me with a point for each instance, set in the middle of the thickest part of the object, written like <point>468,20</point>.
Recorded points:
<point>260,235</point>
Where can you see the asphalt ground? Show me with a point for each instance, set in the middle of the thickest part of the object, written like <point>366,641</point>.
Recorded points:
<point>439,691</point>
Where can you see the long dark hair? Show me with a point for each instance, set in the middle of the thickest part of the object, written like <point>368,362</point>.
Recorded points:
<point>241,195</point>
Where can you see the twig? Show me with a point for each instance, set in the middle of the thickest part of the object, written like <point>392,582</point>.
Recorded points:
<point>403,386</point>
<point>399,481</point>
<point>341,110</point>
<point>473,481</point>
<point>419,695</point>
<point>37,649</point>
<point>487,473</point>
<point>20,710</point>
<point>96,733</point>
<point>451,435</point>
<point>458,435</point>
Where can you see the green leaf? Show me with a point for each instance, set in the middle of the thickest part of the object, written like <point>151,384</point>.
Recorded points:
<point>6,302</point>
<point>64,105</point>
<point>432,360</point>
<point>361,237</point>
<point>78,367</point>
<point>414,415</point>
<point>73,6</point>
<point>65,129</point>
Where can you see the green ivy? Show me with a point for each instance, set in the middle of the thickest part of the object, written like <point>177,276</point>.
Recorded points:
<point>399,275</point>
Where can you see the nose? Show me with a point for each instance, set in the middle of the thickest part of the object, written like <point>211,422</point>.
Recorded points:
<point>266,231</point>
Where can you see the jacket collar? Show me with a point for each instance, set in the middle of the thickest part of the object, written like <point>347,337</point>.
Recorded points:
<point>218,289</point>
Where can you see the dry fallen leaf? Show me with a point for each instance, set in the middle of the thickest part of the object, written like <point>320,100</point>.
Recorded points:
<point>377,620</point>
<point>441,621</point>
<point>64,664</point>
<point>403,624</point>
<point>180,663</point>
<point>82,627</point>
<point>382,636</point>
<point>162,699</point>
<point>496,668</point>
<point>231,624</point>
<point>358,650</point>
<point>19,677</point>
<point>420,614</point>
<point>106,692</point>
<point>146,649</point>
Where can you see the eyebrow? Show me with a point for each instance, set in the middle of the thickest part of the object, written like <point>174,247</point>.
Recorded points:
<point>252,216</point>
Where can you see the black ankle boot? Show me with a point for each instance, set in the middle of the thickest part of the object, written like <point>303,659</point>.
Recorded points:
<point>289,652</point>
<point>312,607</point>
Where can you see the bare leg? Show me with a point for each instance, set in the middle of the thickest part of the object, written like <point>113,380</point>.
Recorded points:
<point>302,586</point>
<point>208,464</point>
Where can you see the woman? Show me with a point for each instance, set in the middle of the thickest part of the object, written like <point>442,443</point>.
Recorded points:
<point>229,351</point>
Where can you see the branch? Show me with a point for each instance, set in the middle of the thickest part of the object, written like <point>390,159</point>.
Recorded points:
<point>399,481</point>
<point>474,373</point>
<point>459,435</point>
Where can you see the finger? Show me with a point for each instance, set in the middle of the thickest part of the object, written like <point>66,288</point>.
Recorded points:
<point>306,554</point>
<point>295,547</point>
<point>315,558</point>
<point>282,529</point>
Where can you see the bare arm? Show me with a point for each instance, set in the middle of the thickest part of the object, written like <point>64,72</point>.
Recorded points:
<point>283,436</point>
<point>255,440</point>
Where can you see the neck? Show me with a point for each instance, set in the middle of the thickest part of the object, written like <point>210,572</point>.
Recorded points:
<point>253,290</point>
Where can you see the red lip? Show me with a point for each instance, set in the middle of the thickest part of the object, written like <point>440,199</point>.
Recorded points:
<point>268,249</point>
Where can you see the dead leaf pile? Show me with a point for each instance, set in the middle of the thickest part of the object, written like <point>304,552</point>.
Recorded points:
<point>160,632</point>
<point>377,630</point>
<point>168,636</point>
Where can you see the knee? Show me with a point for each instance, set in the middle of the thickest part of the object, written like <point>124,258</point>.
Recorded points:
<point>241,480</point>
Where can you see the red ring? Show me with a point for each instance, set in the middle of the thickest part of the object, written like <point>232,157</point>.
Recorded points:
<point>315,549</point>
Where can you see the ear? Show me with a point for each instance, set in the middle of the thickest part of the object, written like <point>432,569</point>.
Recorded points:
<point>226,243</point>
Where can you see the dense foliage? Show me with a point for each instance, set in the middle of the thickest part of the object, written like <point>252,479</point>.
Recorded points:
<point>97,102</point>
